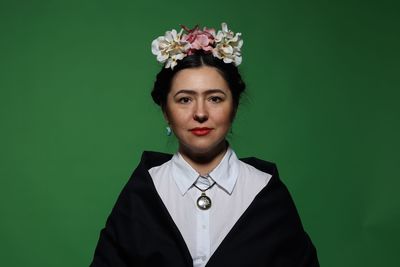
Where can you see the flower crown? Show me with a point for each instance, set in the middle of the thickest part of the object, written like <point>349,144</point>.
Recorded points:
<point>174,46</point>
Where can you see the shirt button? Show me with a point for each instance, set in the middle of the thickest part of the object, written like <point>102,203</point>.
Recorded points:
<point>203,258</point>
<point>204,227</point>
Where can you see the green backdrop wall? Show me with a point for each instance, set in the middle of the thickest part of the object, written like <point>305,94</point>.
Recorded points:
<point>323,91</point>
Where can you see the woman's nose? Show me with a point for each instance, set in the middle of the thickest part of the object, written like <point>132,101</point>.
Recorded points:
<point>200,113</point>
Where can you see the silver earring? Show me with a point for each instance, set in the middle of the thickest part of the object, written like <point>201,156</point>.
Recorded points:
<point>169,131</point>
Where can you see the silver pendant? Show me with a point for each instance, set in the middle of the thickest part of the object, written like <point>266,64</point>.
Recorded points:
<point>203,202</point>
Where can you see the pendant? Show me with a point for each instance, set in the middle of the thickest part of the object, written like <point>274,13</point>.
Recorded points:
<point>203,202</point>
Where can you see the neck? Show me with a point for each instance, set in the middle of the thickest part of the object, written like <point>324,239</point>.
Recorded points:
<point>204,163</point>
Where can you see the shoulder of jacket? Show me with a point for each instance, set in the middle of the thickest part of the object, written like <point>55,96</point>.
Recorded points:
<point>262,165</point>
<point>151,159</point>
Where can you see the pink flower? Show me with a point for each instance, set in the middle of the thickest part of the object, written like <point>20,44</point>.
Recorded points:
<point>199,39</point>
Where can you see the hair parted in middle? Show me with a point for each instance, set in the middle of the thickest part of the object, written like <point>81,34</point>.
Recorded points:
<point>194,48</point>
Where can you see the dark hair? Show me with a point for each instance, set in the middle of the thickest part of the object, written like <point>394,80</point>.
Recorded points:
<point>229,72</point>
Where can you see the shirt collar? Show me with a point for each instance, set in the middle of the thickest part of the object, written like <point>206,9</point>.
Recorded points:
<point>225,174</point>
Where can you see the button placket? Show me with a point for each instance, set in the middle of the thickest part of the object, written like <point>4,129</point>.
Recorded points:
<point>203,235</point>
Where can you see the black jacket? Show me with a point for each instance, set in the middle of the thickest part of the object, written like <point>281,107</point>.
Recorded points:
<point>140,231</point>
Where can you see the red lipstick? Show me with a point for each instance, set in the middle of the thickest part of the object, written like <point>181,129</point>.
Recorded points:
<point>200,131</point>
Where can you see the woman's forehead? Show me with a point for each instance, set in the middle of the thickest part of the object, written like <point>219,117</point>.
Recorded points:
<point>198,80</point>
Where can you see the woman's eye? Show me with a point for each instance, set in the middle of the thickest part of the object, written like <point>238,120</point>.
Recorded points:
<point>215,99</point>
<point>184,100</point>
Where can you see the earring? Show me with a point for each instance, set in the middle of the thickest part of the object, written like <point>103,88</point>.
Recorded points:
<point>169,131</point>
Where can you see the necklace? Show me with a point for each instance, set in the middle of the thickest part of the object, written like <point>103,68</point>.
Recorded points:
<point>204,202</point>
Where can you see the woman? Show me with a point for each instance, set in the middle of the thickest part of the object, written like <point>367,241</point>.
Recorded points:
<point>202,206</point>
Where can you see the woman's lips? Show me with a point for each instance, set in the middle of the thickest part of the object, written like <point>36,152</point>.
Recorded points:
<point>200,131</point>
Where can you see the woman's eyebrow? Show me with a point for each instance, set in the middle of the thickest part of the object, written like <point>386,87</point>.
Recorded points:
<point>213,91</point>
<point>193,92</point>
<point>185,91</point>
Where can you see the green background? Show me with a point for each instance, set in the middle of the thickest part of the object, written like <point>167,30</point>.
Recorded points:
<point>322,102</point>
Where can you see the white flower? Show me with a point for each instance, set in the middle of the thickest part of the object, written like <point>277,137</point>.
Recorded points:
<point>228,45</point>
<point>172,60</point>
<point>170,48</point>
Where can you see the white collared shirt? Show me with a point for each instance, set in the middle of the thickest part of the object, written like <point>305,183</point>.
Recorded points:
<point>237,183</point>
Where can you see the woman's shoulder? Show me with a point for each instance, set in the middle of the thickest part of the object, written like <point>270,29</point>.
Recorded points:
<point>260,165</point>
<point>148,160</point>
<point>153,158</point>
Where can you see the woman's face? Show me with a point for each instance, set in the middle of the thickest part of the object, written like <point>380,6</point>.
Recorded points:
<point>199,109</point>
